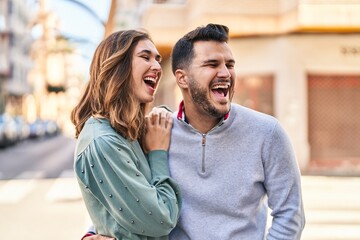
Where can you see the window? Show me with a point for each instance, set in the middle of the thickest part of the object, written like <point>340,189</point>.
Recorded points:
<point>255,92</point>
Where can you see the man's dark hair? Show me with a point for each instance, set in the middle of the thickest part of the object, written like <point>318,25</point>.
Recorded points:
<point>183,53</point>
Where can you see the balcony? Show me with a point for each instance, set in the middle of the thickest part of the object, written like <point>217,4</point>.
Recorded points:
<point>243,17</point>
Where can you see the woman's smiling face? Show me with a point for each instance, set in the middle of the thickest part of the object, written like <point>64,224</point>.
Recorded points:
<point>146,70</point>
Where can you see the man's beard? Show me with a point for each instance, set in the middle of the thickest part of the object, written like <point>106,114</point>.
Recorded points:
<point>199,96</point>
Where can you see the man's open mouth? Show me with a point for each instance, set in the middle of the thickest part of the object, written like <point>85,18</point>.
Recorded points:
<point>221,89</point>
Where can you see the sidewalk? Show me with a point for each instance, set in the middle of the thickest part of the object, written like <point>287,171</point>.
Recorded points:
<point>54,209</point>
<point>332,208</point>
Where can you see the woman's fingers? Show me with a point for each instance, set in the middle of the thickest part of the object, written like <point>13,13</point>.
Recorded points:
<point>163,120</point>
<point>159,112</point>
<point>159,117</point>
<point>169,120</point>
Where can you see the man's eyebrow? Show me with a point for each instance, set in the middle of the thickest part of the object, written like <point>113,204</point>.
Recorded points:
<point>210,61</point>
<point>216,61</point>
<point>231,61</point>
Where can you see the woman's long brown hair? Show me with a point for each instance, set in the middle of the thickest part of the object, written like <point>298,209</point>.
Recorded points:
<point>109,92</point>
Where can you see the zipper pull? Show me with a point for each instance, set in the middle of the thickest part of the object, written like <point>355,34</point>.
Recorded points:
<point>203,141</point>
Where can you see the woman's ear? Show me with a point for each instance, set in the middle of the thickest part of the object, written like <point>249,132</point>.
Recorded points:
<point>181,78</point>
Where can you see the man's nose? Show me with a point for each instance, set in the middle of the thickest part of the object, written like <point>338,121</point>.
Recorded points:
<point>224,72</point>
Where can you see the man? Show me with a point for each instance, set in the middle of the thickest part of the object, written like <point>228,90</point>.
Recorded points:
<point>230,162</point>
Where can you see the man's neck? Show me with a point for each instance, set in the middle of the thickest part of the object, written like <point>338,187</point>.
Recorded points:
<point>199,120</point>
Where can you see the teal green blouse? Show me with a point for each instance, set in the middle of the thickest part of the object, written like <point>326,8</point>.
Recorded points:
<point>128,195</point>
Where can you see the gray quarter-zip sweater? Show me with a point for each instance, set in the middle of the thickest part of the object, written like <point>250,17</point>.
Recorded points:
<point>232,174</point>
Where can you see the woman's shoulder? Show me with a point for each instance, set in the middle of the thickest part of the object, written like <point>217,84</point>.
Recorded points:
<point>98,132</point>
<point>97,127</point>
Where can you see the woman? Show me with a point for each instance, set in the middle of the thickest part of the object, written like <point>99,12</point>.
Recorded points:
<point>128,193</point>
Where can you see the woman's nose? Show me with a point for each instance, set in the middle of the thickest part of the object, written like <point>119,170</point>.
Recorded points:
<point>156,65</point>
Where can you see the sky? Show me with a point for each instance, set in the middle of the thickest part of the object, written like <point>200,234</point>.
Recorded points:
<point>84,29</point>
<point>77,22</point>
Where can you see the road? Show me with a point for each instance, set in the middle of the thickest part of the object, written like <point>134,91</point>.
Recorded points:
<point>40,199</point>
<point>43,158</point>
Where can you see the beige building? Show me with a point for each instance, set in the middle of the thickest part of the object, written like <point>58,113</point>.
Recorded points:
<point>296,60</point>
<point>15,62</point>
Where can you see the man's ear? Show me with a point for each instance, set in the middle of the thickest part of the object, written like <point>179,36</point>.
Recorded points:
<point>181,78</point>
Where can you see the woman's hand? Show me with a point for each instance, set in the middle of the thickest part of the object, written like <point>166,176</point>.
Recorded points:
<point>158,130</point>
<point>98,237</point>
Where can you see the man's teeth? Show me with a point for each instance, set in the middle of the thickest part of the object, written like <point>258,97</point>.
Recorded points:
<point>224,86</point>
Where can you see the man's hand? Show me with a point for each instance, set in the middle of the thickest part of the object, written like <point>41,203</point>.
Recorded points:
<point>98,237</point>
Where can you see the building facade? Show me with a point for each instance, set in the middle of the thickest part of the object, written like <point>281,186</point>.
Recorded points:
<point>15,61</point>
<point>296,60</point>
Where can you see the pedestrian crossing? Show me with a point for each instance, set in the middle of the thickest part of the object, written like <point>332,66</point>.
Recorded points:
<point>332,204</point>
<point>63,188</point>
<point>332,208</point>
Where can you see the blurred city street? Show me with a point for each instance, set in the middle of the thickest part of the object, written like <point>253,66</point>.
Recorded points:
<point>297,60</point>
<point>40,199</point>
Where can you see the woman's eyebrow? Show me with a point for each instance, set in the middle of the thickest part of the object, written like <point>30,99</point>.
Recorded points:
<point>157,56</point>
<point>149,52</point>
<point>144,51</point>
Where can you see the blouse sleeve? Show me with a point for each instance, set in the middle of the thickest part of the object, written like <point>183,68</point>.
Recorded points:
<point>108,169</point>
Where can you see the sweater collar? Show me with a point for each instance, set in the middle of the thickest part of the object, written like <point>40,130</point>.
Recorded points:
<point>181,113</point>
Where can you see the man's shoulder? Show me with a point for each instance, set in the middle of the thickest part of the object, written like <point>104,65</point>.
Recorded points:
<point>250,116</point>
<point>245,111</point>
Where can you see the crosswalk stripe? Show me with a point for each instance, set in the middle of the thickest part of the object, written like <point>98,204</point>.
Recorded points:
<point>319,216</point>
<point>65,188</point>
<point>16,189</point>
<point>30,175</point>
<point>69,173</point>
<point>331,232</point>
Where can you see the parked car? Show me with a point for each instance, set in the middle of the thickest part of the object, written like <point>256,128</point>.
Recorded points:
<point>8,130</point>
<point>23,128</point>
<point>43,128</point>
<point>51,128</point>
<point>37,129</point>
